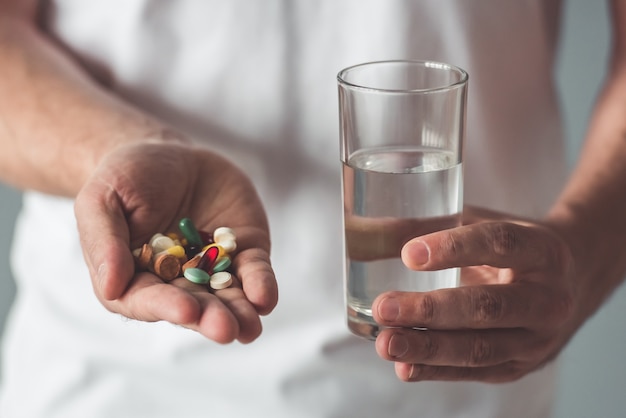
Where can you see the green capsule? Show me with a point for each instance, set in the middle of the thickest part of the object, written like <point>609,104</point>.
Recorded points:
<point>190,232</point>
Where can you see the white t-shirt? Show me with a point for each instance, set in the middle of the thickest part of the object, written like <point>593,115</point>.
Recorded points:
<point>256,81</point>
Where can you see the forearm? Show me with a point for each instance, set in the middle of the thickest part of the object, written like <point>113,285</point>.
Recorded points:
<point>56,122</point>
<point>592,209</point>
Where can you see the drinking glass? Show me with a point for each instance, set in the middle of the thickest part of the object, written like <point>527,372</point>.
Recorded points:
<point>402,128</point>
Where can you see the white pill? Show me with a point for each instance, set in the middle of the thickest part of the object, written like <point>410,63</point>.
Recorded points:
<point>223,232</point>
<point>228,245</point>
<point>221,280</point>
<point>162,243</point>
<point>155,236</point>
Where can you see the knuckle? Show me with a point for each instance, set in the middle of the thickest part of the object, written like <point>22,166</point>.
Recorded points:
<point>430,347</point>
<point>486,306</point>
<point>451,245</point>
<point>426,309</point>
<point>503,238</point>
<point>480,351</point>
<point>557,258</point>
<point>558,251</point>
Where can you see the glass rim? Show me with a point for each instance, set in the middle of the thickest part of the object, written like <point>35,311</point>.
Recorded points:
<point>463,76</point>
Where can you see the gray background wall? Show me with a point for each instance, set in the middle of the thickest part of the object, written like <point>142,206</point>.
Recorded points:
<point>593,371</point>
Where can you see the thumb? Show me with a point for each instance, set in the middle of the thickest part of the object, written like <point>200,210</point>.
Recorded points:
<point>104,239</point>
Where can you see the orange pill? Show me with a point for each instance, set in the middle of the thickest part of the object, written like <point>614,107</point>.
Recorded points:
<point>143,257</point>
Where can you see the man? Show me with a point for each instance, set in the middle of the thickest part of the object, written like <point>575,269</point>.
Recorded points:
<point>125,109</point>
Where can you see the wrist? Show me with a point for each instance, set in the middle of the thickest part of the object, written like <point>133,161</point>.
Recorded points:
<point>596,242</point>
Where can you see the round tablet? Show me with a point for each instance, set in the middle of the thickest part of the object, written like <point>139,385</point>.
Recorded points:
<point>162,243</point>
<point>229,245</point>
<point>223,232</point>
<point>196,275</point>
<point>221,280</point>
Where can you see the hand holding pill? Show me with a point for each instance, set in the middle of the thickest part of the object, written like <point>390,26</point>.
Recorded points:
<point>145,217</point>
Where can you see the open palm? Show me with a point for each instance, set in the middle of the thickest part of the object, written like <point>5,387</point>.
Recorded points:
<point>141,189</point>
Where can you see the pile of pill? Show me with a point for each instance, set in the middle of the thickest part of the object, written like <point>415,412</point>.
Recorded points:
<point>198,256</point>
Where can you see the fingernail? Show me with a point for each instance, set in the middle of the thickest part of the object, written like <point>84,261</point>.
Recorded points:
<point>389,309</point>
<point>398,346</point>
<point>417,252</point>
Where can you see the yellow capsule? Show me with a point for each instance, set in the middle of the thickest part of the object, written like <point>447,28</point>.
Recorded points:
<point>173,235</point>
<point>176,251</point>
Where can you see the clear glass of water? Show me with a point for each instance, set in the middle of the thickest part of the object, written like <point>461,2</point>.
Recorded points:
<point>402,126</point>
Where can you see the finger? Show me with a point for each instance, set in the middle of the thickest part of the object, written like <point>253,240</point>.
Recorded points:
<point>476,275</point>
<point>149,299</point>
<point>459,349</point>
<point>104,239</point>
<point>476,307</point>
<point>215,320</point>
<point>475,214</point>
<point>247,317</point>
<point>233,298</point>
<point>380,238</point>
<point>501,373</point>
<point>257,278</point>
<point>498,244</point>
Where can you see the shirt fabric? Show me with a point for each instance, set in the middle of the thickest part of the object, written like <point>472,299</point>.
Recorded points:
<point>255,81</point>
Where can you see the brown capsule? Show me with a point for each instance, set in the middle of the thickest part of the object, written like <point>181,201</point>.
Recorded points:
<point>193,263</point>
<point>166,266</point>
<point>143,257</point>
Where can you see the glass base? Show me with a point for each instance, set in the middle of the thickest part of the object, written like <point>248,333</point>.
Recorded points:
<point>362,324</point>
